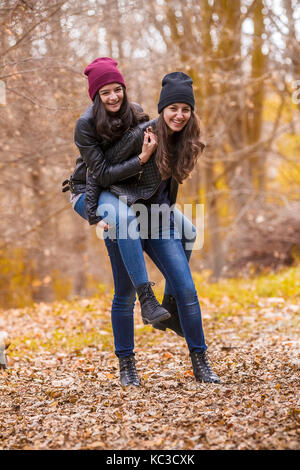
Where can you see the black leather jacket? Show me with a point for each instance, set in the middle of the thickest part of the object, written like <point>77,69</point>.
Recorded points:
<point>92,158</point>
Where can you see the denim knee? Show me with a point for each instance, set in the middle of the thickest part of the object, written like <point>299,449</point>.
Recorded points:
<point>188,294</point>
<point>125,303</point>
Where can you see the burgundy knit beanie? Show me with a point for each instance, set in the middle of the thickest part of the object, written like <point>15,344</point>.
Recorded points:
<point>100,72</point>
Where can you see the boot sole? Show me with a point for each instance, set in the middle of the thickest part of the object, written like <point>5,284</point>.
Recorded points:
<point>130,385</point>
<point>207,381</point>
<point>163,317</point>
<point>158,327</point>
<point>163,328</point>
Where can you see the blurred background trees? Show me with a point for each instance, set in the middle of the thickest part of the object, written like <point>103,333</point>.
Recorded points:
<point>244,57</point>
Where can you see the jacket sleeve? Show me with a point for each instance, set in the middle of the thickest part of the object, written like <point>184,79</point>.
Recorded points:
<point>103,172</point>
<point>130,144</point>
<point>92,193</point>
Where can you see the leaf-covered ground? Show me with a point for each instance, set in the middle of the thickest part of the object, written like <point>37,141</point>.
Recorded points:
<point>62,389</point>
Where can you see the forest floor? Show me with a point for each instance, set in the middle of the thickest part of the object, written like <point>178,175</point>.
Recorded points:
<point>62,390</point>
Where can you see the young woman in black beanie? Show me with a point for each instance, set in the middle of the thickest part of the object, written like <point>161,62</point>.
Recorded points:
<point>178,135</point>
<point>106,120</point>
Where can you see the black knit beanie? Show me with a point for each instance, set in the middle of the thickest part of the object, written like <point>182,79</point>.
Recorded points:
<point>177,87</point>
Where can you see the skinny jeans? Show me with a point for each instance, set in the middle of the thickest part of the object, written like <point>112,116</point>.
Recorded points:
<point>167,248</point>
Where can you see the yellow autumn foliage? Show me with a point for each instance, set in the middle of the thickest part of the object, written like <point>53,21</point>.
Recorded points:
<point>16,277</point>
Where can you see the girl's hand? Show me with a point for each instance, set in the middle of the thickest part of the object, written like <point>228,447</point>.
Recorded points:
<point>149,145</point>
<point>103,225</point>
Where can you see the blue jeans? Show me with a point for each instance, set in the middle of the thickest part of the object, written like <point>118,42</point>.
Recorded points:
<point>130,271</point>
<point>120,216</point>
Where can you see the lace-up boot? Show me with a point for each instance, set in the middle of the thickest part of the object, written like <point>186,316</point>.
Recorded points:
<point>169,303</point>
<point>202,370</point>
<point>152,311</point>
<point>128,373</point>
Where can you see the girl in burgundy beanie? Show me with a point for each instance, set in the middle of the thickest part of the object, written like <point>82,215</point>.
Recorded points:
<point>106,120</point>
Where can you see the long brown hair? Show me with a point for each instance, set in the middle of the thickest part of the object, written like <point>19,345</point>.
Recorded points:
<point>111,126</point>
<point>177,153</point>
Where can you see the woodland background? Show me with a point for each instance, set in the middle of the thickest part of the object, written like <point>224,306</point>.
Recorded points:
<point>61,389</point>
<point>244,57</point>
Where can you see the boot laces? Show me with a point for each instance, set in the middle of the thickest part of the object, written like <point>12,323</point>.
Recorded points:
<point>147,289</point>
<point>147,292</point>
<point>128,367</point>
<point>202,362</point>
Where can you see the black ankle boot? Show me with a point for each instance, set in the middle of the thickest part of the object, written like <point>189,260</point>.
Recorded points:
<point>202,370</point>
<point>169,303</point>
<point>151,309</point>
<point>128,373</point>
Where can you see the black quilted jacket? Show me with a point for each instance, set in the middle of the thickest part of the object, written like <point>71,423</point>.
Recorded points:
<point>141,186</point>
<point>97,169</point>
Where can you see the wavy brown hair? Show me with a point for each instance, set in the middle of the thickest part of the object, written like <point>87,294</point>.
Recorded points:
<point>177,153</point>
<point>112,126</point>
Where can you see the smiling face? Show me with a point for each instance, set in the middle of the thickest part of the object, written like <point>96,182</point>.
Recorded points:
<point>112,96</point>
<point>176,116</point>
